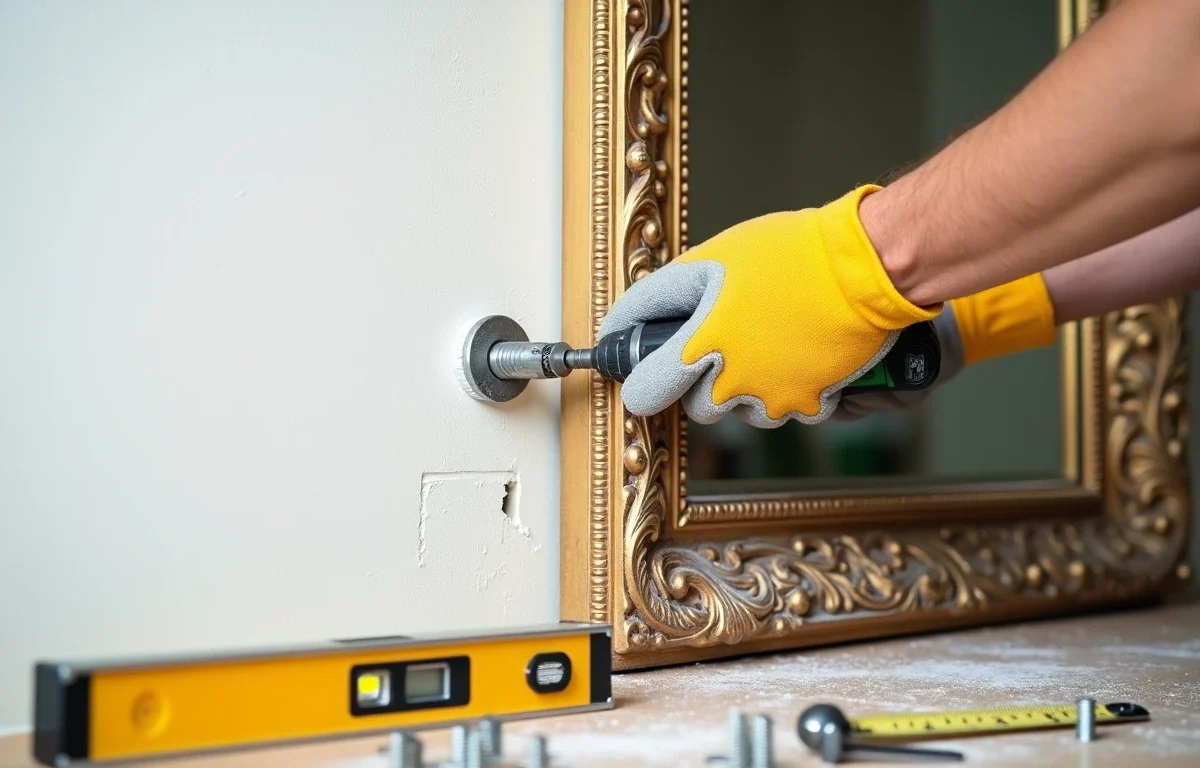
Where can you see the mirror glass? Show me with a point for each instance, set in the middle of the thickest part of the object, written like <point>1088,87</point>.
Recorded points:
<point>791,104</point>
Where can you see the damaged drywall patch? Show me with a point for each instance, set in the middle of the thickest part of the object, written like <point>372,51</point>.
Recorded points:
<point>477,488</point>
<point>470,538</point>
<point>469,488</point>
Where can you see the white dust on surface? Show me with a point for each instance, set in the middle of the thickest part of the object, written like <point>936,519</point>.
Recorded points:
<point>678,716</point>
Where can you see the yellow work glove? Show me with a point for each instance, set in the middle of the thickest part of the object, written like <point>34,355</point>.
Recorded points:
<point>999,321</point>
<point>782,312</point>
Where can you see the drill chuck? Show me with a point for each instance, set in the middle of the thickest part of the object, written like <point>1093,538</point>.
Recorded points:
<point>580,358</point>
<point>616,354</point>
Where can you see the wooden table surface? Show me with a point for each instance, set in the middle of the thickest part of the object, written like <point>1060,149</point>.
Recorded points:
<point>678,716</point>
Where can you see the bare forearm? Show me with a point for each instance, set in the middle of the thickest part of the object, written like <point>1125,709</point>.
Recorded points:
<point>1152,266</point>
<point>1102,145</point>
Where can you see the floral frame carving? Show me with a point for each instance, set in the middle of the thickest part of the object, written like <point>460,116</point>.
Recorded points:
<point>683,580</point>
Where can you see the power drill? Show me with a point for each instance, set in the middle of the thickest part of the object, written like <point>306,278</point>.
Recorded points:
<point>498,359</point>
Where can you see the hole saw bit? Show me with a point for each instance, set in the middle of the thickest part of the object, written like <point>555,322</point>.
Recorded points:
<point>498,359</point>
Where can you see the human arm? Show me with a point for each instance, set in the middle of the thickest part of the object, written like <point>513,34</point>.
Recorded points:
<point>1149,267</point>
<point>1020,315</point>
<point>1102,145</point>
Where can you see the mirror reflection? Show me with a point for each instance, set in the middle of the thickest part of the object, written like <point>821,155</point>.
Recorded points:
<point>791,104</point>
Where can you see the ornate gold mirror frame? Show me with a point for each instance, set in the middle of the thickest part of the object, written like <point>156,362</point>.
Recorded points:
<point>685,579</point>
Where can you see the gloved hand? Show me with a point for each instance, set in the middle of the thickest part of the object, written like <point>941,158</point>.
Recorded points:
<point>784,310</point>
<point>999,321</point>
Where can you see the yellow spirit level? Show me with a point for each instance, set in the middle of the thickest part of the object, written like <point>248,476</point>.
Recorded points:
<point>111,711</point>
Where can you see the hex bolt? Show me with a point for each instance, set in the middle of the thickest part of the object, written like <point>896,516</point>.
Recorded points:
<point>474,749</point>
<point>403,751</point>
<point>739,741</point>
<point>535,752</point>
<point>1085,720</point>
<point>761,749</point>
<point>458,746</point>
<point>489,732</point>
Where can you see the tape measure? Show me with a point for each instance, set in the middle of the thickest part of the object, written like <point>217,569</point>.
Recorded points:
<point>966,722</point>
<point>113,711</point>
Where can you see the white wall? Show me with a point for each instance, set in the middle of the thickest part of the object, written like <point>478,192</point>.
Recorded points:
<point>237,243</point>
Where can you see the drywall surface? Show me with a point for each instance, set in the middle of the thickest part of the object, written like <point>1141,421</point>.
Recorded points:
<point>238,244</point>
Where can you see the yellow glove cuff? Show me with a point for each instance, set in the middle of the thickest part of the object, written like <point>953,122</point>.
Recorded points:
<point>860,274</point>
<point>1008,318</point>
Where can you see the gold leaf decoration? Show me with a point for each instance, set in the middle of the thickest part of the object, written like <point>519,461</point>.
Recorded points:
<point>600,392</point>
<point>646,242</point>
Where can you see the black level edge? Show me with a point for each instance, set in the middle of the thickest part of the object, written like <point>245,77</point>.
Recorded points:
<point>601,667</point>
<point>60,714</point>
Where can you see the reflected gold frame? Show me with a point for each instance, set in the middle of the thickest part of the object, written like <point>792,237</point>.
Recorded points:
<point>687,579</point>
